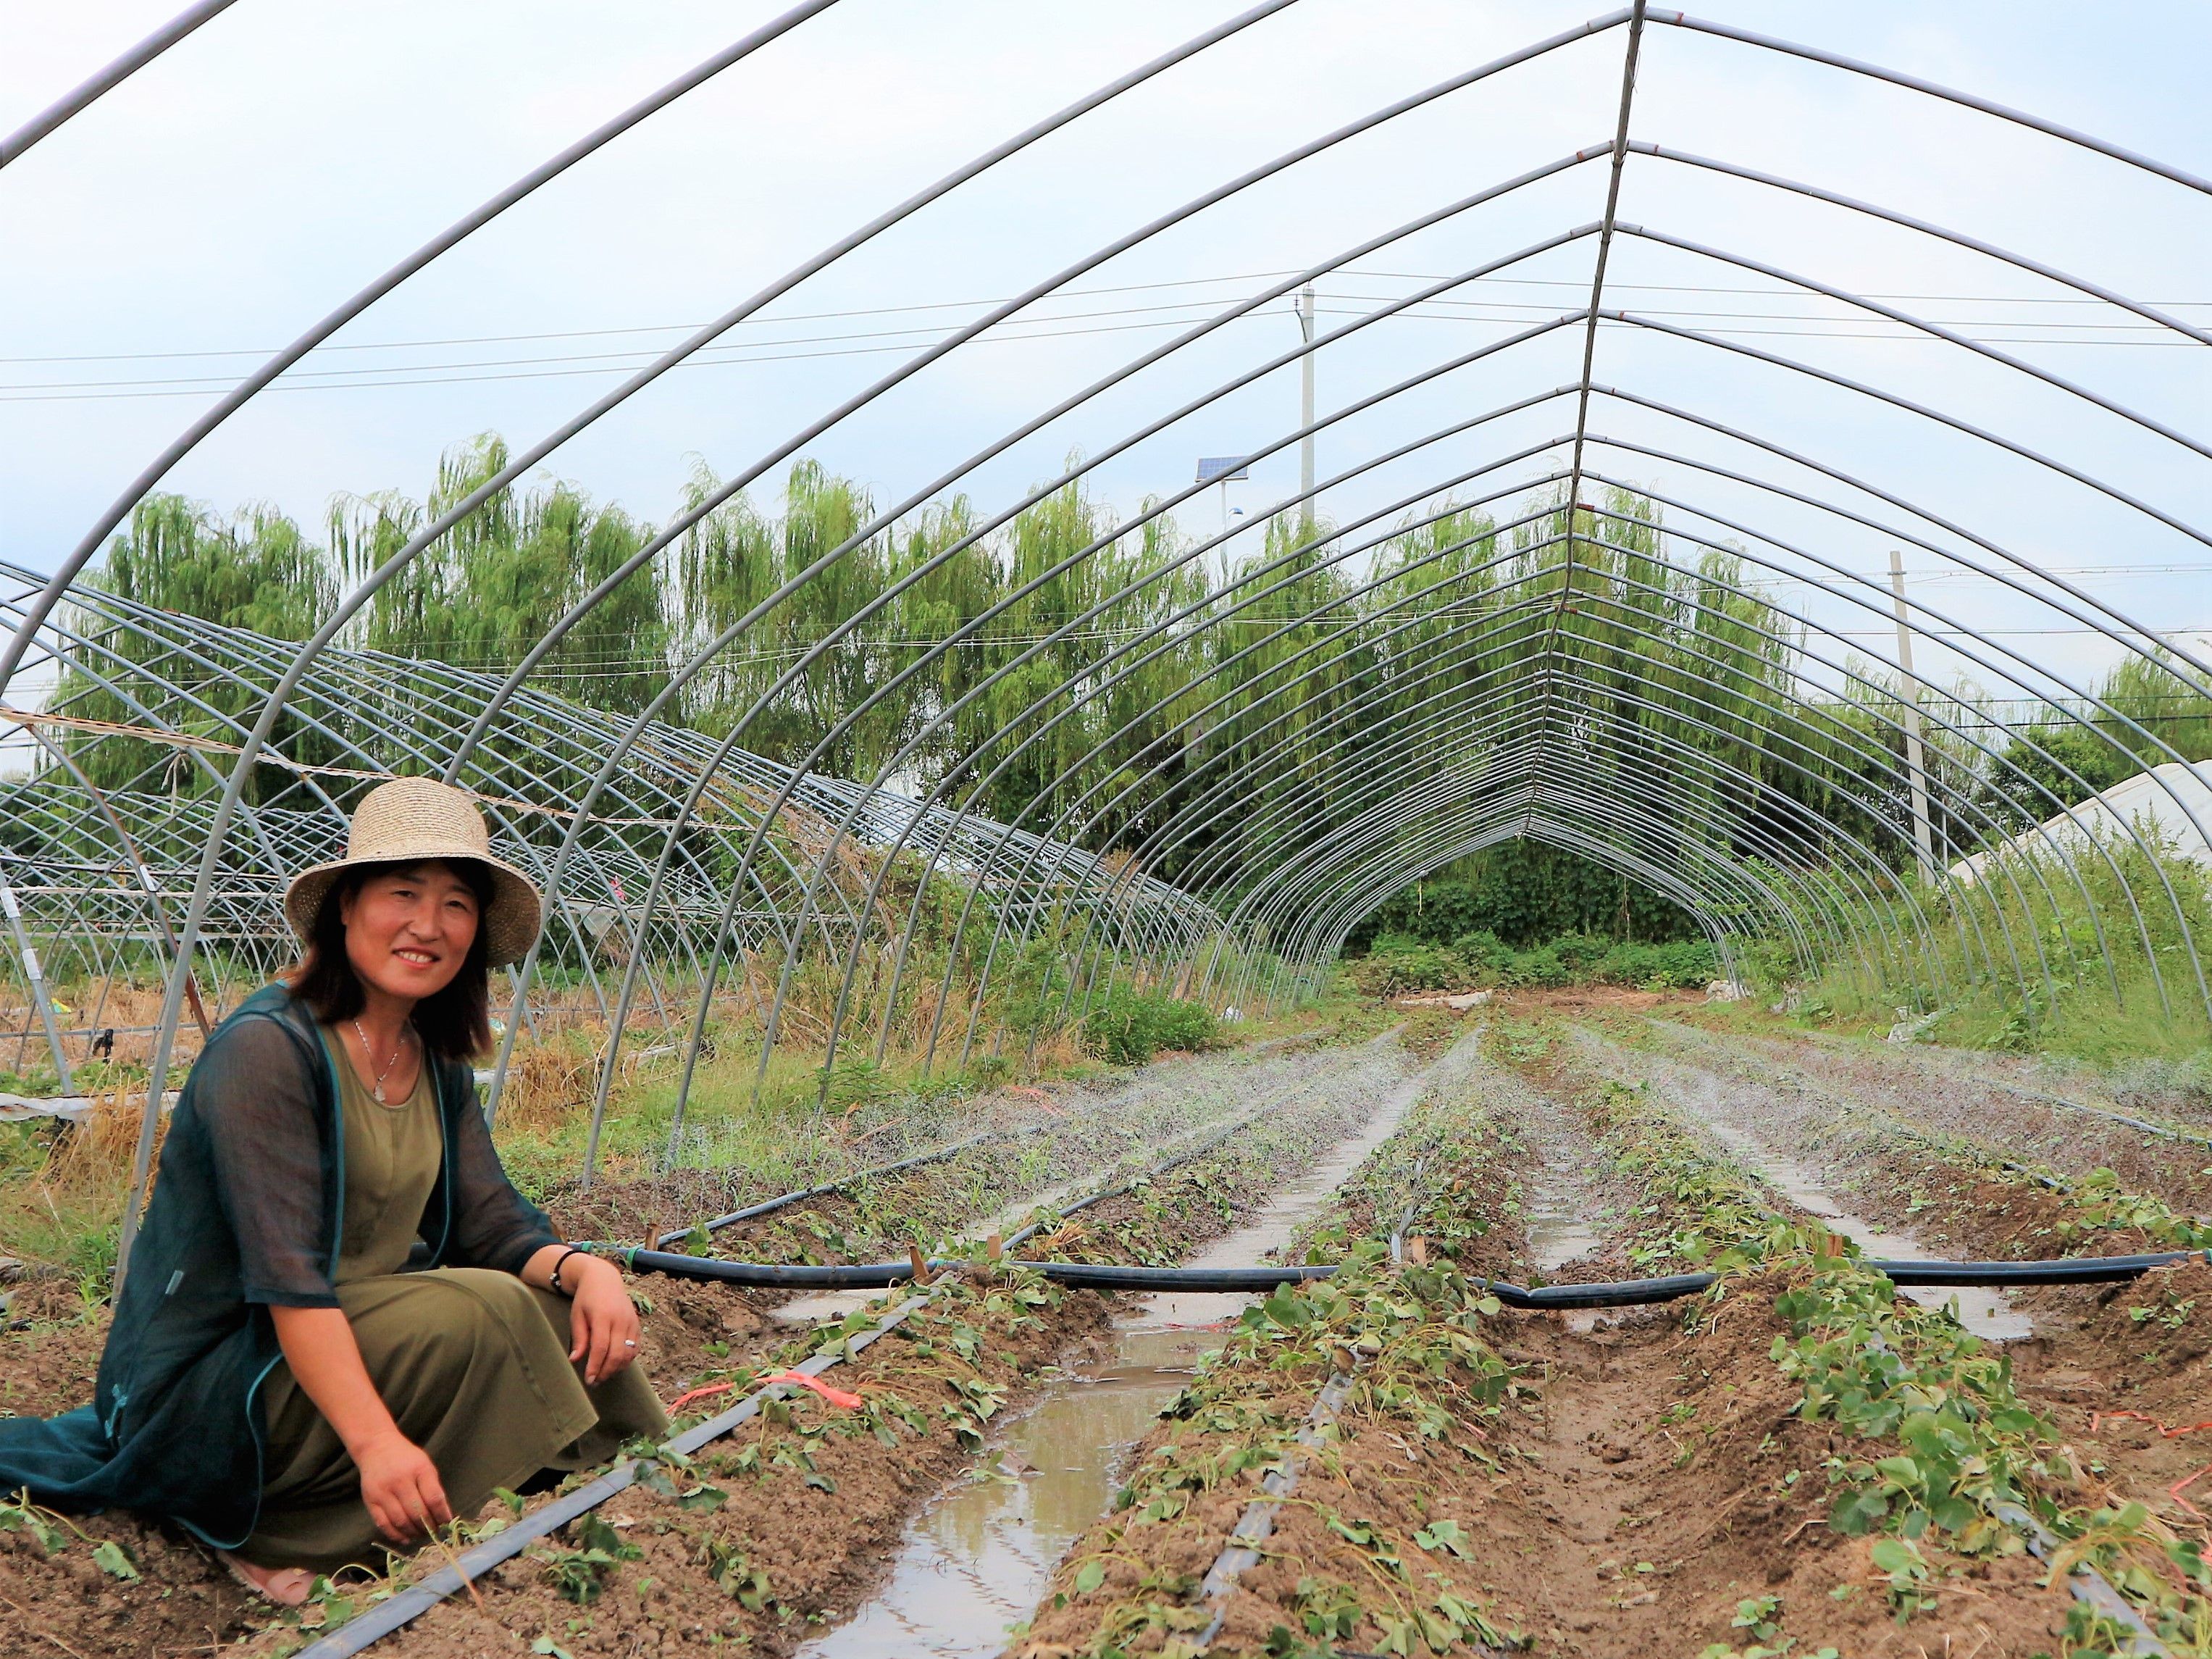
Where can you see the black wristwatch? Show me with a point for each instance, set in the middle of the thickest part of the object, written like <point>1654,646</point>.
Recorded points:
<point>554,1277</point>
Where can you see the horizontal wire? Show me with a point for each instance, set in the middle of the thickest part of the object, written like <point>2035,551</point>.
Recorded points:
<point>34,393</point>
<point>1128,287</point>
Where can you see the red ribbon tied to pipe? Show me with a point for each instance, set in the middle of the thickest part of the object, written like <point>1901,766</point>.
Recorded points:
<point>838,1397</point>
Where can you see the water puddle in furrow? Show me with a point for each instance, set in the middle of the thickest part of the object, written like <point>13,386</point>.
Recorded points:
<point>977,1559</point>
<point>1559,1221</point>
<point>1986,1313</point>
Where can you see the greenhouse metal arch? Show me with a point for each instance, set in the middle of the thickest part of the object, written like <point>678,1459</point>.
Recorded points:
<point>182,768</point>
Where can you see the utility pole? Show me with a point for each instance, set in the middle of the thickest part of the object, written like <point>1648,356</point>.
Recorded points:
<point>1924,841</point>
<point>1306,412</point>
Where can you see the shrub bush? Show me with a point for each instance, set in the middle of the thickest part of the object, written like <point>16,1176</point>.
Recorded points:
<point>1129,1028</point>
<point>1398,964</point>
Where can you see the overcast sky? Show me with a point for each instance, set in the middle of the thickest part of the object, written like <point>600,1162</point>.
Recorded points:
<point>225,197</point>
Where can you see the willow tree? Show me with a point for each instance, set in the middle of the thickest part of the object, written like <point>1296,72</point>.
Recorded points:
<point>255,572</point>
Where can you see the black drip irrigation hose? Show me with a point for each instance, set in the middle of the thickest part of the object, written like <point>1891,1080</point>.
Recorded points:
<point>937,1155</point>
<point>768,1207</point>
<point>1622,1293</point>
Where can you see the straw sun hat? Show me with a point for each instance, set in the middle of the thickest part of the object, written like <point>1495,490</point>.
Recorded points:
<point>410,820</point>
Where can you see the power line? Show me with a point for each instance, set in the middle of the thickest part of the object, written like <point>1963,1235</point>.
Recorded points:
<point>718,357</point>
<point>1129,288</point>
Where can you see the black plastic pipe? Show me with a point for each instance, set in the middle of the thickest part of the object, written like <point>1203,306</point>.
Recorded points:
<point>768,1207</point>
<point>1621,1293</point>
<point>2063,1270</point>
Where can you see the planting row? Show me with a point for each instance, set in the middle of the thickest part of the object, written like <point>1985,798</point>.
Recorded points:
<point>1997,1445</point>
<point>1798,1462</point>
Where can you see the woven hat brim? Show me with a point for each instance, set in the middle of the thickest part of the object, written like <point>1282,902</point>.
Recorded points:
<point>510,921</point>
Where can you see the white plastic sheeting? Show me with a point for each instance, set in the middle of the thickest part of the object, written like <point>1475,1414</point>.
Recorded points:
<point>2148,805</point>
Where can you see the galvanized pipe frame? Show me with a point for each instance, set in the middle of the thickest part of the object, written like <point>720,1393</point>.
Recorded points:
<point>1483,739</point>
<point>1854,578</point>
<point>1631,551</point>
<point>147,886</point>
<point>1527,774</point>
<point>2004,578</point>
<point>103,81</point>
<point>1070,273</point>
<point>245,762</point>
<point>1419,735</point>
<point>2065,808</point>
<point>124,694</point>
<point>1394,833</point>
<point>1444,717</point>
<point>1360,892</point>
<point>1283,664</point>
<point>1271,910</point>
<point>1655,738</point>
<point>1411,739</point>
<point>220,652</point>
<point>1138,862</point>
<point>1942,334</point>
<point>1996,758</point>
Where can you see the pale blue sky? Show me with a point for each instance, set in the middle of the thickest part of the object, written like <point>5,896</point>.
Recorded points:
<point>269,165</point>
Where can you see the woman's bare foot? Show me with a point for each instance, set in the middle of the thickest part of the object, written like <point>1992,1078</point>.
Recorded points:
<point>287,1586</point>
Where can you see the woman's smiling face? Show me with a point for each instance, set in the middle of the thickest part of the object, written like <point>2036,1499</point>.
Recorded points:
<point>407,930</point>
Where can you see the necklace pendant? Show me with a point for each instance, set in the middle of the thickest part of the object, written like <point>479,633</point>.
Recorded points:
<point>377,1089</point>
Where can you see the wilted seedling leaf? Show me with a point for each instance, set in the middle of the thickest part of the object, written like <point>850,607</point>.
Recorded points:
<point>1447,1535</point>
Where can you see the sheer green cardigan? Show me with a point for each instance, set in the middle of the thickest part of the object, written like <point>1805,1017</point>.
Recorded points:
<point>246,1214</point>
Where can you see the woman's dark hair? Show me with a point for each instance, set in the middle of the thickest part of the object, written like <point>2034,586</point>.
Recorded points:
<point>454,1023</point>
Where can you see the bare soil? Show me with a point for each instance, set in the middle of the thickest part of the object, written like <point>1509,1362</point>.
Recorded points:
<point>2118,1368</point>
<point>1666,1479</point>
<point>1649,1483</point>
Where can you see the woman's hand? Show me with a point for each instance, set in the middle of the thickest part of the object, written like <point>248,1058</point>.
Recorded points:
<point>400,1485</point>
<point>601,1318</point>
<point>398,1482</point>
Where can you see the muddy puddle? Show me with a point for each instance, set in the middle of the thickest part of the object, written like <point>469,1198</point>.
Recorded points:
<point>976,1559</point>
<point>1561,1218</point>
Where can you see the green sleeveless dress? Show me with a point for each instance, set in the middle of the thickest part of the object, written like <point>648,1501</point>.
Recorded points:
<point>472,1364</point>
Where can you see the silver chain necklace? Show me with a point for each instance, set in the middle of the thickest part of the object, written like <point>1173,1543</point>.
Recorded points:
<point>376,1088</point>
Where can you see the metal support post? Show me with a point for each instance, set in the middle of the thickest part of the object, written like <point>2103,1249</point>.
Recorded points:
<point>36,976</point>
<point>1923,841</point>
<point>1306,413</point>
